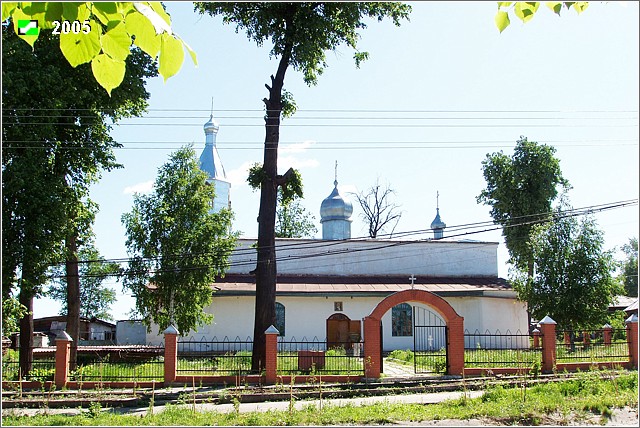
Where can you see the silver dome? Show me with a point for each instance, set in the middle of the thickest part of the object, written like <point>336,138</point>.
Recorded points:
<point>335,207</point>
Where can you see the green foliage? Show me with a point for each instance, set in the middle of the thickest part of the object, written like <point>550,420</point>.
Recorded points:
<point>177,245</point>
<point>293,220</point>
<point>257,176</point>
<point>12,312</point>
<point>105,34</point>
<point>629,265</point>
<point>572,280</point>
<point>525,10</point>
<point>520,190</point>
<point>50,110</point>
<point>95,298</point>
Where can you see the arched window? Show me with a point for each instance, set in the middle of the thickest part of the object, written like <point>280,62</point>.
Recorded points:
<point>280,318</point>
<point>401,320</point>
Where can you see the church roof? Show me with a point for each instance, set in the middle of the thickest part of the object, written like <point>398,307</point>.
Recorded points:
<point>335,207</point>
<point>210,161</point>
<point>243,284</point>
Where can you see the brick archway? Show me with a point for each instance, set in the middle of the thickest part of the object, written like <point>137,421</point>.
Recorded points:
<point>372,338</point>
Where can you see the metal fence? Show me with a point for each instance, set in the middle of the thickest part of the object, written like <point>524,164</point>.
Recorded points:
<point>215,357</point>
<point>134,363</point>
<point>500,349</point>
<point>591,346</point>
<point>43,369</point>
<point>315,356</point>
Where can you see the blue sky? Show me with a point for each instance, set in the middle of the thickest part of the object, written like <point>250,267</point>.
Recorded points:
<point>436,95</point>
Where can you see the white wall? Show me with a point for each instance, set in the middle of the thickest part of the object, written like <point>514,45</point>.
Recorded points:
<point>376,257</point>
<point>129,332</point>
<point>305,317</point>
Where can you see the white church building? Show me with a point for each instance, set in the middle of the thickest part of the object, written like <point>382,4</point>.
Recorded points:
<point>326,287</point>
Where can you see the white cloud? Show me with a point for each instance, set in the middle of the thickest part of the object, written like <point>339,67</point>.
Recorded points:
<point>145,187</point>
<point>297,147</point>
<point>286,162</point>
<point>238,177</point>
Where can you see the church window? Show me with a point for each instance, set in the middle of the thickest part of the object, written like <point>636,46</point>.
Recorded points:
<point>401,320</point>
<point>280,318</point>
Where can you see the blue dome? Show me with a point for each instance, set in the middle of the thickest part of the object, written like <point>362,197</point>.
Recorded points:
<point>211,125</point>
<point>437,223</point>
<point>335,207</point>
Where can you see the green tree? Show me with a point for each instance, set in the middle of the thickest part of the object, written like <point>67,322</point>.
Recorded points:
<point>572,280</point>
<point>176,245</point>
<point>95,298</point>
<point>56,143</point>
<point>103,33</point>
<point>293,220</point>
<point>301,34</point>
<point>520,190</point>
<point>629,277</point>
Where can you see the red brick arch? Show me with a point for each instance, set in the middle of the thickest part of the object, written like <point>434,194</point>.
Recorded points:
<point>455,324</point>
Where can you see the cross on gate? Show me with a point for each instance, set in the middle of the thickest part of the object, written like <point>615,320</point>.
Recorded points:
<point>412,278</point>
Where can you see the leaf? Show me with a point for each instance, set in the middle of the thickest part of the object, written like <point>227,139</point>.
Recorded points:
<point>504,4</point>
<point>145,35</point>
<point>502,20</point>
<point>555,6</point>
<point>17,16</point>
<point>157,8</point>
<point>171,56</point>
<point>108,72</point>
<point>52,13</point>
<point>107,12</point>
<point>191,52</point>
<point>81,48</point>
<point>525,10</point>
<point>7,9</point>
<point>159,23</point>
<point>580,6</point>
<point>116,42</point>
<point>70,11</point>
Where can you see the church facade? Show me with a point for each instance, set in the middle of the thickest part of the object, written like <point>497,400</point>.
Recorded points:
<point>326,287</point>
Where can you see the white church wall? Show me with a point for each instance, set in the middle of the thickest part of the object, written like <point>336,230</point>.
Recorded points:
<point>305,317</point>
<point>375,257</point>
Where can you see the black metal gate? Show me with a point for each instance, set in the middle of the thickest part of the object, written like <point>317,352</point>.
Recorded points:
<point>429,342</point>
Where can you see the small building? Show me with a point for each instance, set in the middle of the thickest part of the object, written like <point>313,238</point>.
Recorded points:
<point>93,331</point>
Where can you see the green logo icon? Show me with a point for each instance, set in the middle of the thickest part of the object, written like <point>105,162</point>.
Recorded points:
<point>28,27</point>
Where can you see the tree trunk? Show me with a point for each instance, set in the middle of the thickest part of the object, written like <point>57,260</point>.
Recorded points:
<point>73,298</point>
<point>26,333</point>
<point>265,311</point>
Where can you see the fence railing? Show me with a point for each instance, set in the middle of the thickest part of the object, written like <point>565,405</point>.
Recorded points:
<point>43,368</point>
<point>591,346</point>
<point>501,349</point>
<point>215,358</point>
<point>106,368</point>
<point>305,357</point>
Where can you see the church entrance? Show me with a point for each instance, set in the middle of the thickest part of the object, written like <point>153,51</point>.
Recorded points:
<point>429,341</point>
<point>342,332</point>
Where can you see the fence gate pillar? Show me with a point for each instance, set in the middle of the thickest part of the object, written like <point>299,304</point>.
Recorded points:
<point>548,327</point>
<point>607,334</point>
<point>63,351</point>
<point>170,354</point>
<point>455,347</point>
<point>632,338</point>
<point>372,351</point>
<point>271,363</point>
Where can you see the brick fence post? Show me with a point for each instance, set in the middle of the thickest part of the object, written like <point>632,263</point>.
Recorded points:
<point>271,363</point>
<point>632,339</point>
<point>170,354</point>
<point>455,347</point>
<point>607,334</point>
<point>536,338</point>
<point>548,327</point>
<point>372,351</point>
<point>63,351</point>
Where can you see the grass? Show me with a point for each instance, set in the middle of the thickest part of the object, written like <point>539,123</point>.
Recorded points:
<point>589,393</point>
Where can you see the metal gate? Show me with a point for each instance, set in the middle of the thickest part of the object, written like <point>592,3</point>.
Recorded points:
<point>429,342</point>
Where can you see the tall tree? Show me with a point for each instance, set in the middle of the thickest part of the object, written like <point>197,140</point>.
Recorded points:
<point>56,143</point>
<point>95,298</point>
<point>301,34</point>
<point>378,211</point>
<point>177,246</point>
<point>293,220</point>
<point>520,190</point>
<point>629,266</point>
<point>572,280</point>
